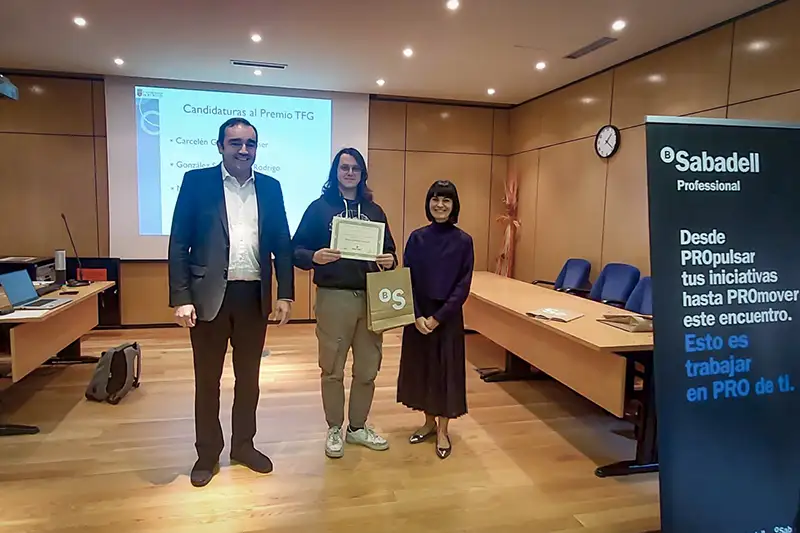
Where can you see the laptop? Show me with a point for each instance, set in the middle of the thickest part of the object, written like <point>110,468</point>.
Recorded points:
<point>21,293</point>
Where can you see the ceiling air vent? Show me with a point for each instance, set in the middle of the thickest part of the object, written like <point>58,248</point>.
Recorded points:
<point>258,64</point>
<point>589,48</point>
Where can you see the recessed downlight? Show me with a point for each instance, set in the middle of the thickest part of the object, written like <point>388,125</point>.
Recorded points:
<point>119,61</point>
<point>758,46</point>
<point>490,91</point>
<point>381,82</point>
<point>257,72</point>
<point>541,65</point>
<point>408,52</point>
<point>619,25</point>
<point>79,21</point>
<point>256,38</point>
<point>452,5</point>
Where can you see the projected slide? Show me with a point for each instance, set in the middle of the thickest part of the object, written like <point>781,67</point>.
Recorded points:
<point>177,132</point>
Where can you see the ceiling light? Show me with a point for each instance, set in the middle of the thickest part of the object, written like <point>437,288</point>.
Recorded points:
<point>655,78</point>
<point>257,72</point>
<point>452,5</point>
<point>445,115</point>
<point>381,82</point>
<point>119,61</point>
<point>79,21</point>
<point>758,46</point>
<point>408,52</point>
<point>256,38</point>
<point>619,25</point>
<point>490,91</point>
<point>541,65</point>
<point>588,100</point>
<point>37,89</point>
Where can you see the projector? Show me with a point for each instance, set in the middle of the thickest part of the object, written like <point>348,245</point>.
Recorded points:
<point>8,89</point>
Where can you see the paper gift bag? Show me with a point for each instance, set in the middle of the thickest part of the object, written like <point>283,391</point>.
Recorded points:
<point>390,303</point>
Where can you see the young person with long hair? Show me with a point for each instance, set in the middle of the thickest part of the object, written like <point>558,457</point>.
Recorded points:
<point>341,306</point>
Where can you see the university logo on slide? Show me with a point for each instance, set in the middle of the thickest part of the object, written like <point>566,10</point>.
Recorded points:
<point>139,92</point>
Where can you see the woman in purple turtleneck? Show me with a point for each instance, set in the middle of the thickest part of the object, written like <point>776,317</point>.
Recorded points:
<point>432,363</point>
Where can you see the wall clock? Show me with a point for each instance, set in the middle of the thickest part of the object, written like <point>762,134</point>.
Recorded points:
<point>606,142</point>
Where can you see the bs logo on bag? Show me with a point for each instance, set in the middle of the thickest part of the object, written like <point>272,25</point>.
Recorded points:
<point>397,296</point>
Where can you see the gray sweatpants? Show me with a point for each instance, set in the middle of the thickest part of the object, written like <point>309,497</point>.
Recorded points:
<point>342,324</point>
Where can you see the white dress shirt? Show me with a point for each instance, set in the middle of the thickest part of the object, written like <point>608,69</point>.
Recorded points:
<point>242,208</point>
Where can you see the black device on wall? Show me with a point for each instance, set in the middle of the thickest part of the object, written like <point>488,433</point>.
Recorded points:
<point>108,302</point>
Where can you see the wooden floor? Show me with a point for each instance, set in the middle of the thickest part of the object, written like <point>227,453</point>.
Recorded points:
<point>523,459</point>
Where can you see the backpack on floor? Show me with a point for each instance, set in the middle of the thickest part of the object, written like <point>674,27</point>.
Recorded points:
<point>117,372</point>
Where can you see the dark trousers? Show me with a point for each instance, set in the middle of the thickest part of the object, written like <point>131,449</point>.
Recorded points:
<point>241,321</point>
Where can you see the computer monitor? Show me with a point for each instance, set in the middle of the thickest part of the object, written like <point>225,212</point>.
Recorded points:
<point>18,287</point>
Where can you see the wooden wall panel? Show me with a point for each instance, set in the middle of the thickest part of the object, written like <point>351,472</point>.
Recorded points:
<point>577,111</point>
<point>496,209</point>
<point>501,138</point>
<point>56,106</point>
<point>58,177</point>
<point>387,180</point>
<point>526,166</point>
<point>719,112</point>
<point>765,53</point>
<point>451,129</point>
<point>685,78</point>
<point>301,310</point>
<point>781,108</point>
<point>470,174</point>
<point>626,235</point>
<point>101,192</point>
<point>525,127</point>
<point>387,125</point>
<point>144,293</point>
<point>570,206</point>
<point>99,108</point>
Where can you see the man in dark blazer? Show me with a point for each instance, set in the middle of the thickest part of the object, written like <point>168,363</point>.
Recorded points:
<point>228,223</point>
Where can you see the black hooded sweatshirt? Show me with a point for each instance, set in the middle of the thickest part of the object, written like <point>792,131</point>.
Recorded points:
<point>314,233</point>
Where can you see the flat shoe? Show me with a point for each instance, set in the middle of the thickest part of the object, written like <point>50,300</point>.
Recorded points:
<point>444,453</point>
<point>416,438</point>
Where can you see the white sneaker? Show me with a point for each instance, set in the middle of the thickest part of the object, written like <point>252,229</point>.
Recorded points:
<point>367,437</point>
<point>334,446</point>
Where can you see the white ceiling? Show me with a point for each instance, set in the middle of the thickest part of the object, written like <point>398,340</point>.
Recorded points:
<point>346,45</point>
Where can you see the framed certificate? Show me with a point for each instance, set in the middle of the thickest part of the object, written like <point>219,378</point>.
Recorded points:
<point>357,239</point>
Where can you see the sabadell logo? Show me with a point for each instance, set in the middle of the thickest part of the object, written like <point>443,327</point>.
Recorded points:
<point>396,296</point>
<point>683,161</point>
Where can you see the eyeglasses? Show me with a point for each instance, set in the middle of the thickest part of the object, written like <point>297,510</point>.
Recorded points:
<point>346,169</point>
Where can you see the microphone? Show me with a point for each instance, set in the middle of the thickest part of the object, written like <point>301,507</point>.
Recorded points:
<point>72,282</point>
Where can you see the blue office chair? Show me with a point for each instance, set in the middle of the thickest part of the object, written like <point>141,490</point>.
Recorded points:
<point>615,284</point>
<point>573,278</point>
<point>641,299</point>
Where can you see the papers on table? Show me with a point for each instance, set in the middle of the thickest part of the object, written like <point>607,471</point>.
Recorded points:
<point>556,315</point>
<point>23,314</point>
<point>632,323</point>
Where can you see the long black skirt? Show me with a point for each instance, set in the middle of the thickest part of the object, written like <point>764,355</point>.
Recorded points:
<point>432,375</point>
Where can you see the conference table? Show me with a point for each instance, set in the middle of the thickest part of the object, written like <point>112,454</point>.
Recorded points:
<point>30,338</point>
<point>598,361</point>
